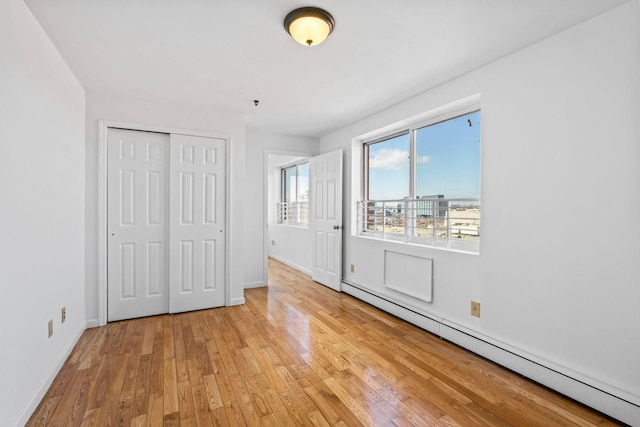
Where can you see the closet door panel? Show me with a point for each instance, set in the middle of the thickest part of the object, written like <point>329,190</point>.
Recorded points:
<point>137,224</point>
<point>197,183</point>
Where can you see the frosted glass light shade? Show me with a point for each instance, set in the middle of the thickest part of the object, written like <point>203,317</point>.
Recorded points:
<point>309,26</point>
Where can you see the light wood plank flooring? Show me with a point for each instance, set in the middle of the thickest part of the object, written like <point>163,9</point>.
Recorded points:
<point>297,354</point>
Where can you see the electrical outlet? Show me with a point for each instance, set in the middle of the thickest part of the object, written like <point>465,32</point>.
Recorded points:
<point>50,328</point>
<point>475,308</point>
<point>63,315</point>
<point>353,268</point>
<point>273,243</point>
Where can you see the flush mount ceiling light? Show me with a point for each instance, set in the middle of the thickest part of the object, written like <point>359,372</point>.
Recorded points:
<point>309,25</point>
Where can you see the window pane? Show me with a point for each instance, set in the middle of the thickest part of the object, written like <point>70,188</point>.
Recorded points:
<point>303,182</point>
<point>289,187</point>
<point>389,169</point>
<point>448,158</point>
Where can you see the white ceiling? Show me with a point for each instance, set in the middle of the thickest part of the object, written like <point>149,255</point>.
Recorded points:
<point>223,54</point>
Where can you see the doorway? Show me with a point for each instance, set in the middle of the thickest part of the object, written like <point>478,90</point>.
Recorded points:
<point>314,248</point>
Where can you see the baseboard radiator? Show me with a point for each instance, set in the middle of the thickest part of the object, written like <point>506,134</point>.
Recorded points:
<point>616,403</point>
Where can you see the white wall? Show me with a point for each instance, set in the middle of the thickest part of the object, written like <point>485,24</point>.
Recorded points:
<point>259,146</point>
<point>558,270</point>
<point>41,212</point>
<point>103,107</point>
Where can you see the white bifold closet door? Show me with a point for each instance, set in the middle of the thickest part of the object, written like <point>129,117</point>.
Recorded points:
<point>165,223</point>
<point>197,224</point>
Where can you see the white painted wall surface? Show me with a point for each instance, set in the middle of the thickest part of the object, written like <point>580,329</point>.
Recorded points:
<point>293,246</point>
<point>122,109</point>
<point>558,271</point>
<point>41,211</point>
<point>259,146</point>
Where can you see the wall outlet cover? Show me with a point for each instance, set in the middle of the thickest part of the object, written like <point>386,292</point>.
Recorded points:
<point>475,308</point>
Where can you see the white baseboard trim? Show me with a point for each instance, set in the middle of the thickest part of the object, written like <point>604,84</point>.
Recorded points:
<point>37,398</point>
<point>258,284</point>
<point>93,323</point>
<point>605,398</point>
<point>292,265</point>
<point>236,301</point>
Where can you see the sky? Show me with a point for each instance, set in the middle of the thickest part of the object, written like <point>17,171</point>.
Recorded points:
<point>448,161</point>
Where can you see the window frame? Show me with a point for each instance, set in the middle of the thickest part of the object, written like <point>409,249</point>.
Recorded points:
<point>365,156</point>
<point>283,182</point>
<point>411,126</point>
<point>411,130</point>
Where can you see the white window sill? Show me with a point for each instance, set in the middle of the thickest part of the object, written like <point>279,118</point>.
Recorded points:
<point>400,242</point>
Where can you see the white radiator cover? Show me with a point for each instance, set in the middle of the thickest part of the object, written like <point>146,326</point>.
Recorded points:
<point>409,274</point>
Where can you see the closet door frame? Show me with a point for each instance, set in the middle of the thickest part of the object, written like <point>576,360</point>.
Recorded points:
<point>103,128</point>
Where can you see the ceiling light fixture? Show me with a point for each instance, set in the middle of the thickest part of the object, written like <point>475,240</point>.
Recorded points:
<point>309,25</point>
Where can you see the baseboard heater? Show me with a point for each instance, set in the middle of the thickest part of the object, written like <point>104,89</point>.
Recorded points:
<point>616,403</point>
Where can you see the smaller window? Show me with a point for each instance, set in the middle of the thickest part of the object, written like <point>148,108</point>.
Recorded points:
<point>293,209</point>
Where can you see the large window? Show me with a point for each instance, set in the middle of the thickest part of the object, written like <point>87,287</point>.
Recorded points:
<point>294,206</point>
<point>422,185</point>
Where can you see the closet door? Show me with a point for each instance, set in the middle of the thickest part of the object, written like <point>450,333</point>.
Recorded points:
<point>197,224</point>
<point>137,223</point>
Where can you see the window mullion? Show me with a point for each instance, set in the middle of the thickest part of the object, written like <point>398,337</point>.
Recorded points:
<point>297,183</point>
<point>283,185</point>
<point>366,172</point>
<point>410,225</point>
<point>412,164</point>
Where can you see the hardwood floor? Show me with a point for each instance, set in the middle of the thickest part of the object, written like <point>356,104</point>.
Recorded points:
<point>295,354</point>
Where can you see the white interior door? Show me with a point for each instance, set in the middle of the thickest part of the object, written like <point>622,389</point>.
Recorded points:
<point>326,218</point>
<point>137,223</point>
<point>197,225</point>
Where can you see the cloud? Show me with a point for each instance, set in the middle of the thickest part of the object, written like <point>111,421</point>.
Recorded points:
<point>387,159</point>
